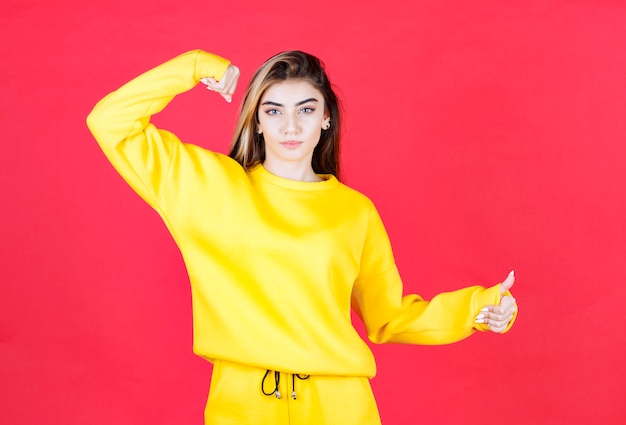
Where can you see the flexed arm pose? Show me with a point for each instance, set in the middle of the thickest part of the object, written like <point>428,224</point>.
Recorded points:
<point>277,249</point>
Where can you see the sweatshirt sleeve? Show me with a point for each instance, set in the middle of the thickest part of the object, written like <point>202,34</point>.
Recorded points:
<point>391,317</point>
<point>120,122</point>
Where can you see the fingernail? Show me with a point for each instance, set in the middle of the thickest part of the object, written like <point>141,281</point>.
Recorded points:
<point>485,309</point>
<point>480,316</point>
<point>479,321</point>
<point>512,273</point>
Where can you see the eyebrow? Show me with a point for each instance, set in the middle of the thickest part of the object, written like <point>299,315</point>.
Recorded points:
<point>302,102</point>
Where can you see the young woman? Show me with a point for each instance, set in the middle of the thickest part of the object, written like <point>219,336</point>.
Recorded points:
<point>277,249</point>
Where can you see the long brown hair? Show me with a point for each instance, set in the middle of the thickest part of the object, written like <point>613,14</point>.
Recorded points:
<point>248,147</point>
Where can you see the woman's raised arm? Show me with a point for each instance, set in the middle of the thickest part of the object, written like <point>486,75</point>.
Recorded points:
<point>120,122</point>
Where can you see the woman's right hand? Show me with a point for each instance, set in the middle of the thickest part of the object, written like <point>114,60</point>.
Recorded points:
<point>226,85</point>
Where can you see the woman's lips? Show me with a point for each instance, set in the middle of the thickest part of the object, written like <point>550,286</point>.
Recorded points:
<point>291,144</point>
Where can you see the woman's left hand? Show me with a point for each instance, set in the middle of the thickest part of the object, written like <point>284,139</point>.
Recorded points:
<point>497,317</point>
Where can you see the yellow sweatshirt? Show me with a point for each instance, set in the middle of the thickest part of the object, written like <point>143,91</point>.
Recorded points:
<point>274,264</point>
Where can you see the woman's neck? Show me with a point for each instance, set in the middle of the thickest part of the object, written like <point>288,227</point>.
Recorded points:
<point>298,172</point>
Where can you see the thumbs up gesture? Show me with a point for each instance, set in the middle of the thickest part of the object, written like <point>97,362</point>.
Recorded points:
<point>498,317</point>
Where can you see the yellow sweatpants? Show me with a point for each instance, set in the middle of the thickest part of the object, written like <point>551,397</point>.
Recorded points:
<point>237,398</point>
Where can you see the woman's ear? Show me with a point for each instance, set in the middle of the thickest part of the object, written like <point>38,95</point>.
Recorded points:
<point>326,123</point>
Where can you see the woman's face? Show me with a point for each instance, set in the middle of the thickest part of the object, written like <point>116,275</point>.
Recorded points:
<point>291,115</point>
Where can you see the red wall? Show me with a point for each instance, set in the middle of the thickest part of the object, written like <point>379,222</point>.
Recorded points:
<point>491,136</point>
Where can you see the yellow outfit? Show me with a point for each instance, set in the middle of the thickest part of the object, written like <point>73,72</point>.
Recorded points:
<point>274,264</point>
<point>236,398</point>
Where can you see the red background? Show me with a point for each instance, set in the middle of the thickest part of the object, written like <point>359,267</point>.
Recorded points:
<point>489,134</point>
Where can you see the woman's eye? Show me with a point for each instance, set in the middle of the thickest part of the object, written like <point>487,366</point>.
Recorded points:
<point>271,111</point>
<point>307,110</point>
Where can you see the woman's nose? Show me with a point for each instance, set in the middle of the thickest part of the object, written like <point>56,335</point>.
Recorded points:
<point>291,124</point>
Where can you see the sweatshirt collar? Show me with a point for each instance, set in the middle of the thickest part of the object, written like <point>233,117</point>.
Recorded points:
<point>328,180</point>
